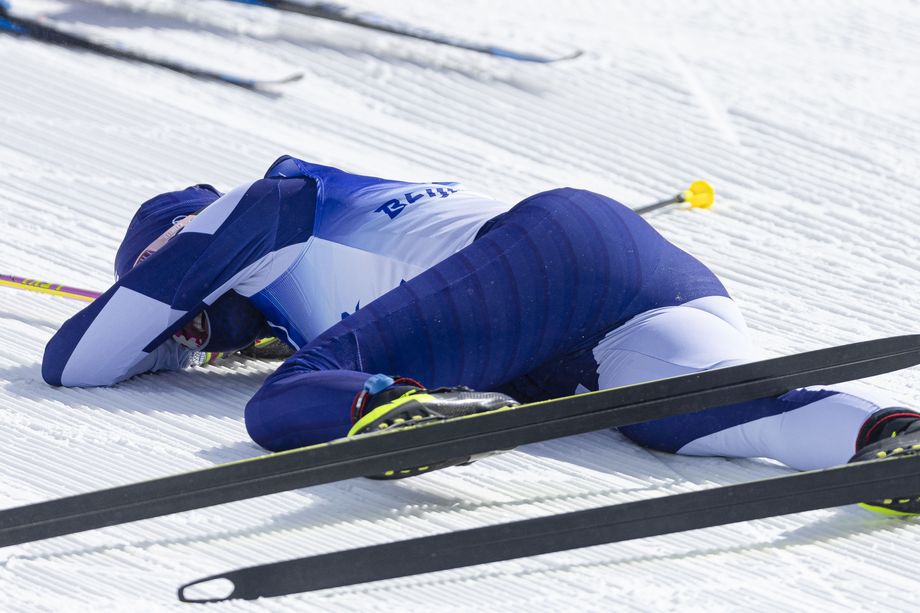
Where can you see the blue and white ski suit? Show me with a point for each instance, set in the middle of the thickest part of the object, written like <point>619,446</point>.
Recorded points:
<point>567,291</point>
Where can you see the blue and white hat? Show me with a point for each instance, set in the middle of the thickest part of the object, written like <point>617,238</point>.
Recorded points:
<point>155,217</point>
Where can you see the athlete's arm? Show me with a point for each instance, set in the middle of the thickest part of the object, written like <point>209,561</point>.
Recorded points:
<point>236,243</point>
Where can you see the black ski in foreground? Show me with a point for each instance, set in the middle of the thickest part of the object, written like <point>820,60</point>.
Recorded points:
<point>341,14</point>
<point>807,491</point>
<point>374,454</point>
<point>43,31</point>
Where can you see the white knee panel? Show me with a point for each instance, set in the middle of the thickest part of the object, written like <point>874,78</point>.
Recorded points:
<point>698,335</point>
<point>709,333</point>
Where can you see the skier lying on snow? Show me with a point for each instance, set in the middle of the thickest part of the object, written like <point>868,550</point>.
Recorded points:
<point>367,278</point>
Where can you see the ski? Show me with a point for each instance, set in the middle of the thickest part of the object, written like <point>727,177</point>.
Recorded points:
<point>795,493</point>
<point>341,14</point>
<point>422,445</point>
<point>45,32</point>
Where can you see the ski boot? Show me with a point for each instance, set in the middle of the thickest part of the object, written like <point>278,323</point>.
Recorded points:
<point>386,403</point>
<point>891,432</point>
<point>270,348</point>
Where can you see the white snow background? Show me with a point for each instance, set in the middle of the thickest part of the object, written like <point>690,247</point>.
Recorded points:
<point>804,116</point>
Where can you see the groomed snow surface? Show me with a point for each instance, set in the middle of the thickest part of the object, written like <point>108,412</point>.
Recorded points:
<point>804,116</point>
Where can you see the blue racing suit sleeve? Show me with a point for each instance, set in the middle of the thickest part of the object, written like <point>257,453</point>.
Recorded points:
<point>235,243</point>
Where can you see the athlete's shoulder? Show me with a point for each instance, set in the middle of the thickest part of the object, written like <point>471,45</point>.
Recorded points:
<point>283,207</point>
<point>336,179</point>
<point>286,167</point>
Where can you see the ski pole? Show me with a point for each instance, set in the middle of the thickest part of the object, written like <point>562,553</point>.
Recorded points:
<point>44,287</point>
<point>700,195</point>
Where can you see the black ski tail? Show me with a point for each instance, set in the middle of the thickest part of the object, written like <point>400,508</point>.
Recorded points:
<point>52,34</point>
<point>730,504</point>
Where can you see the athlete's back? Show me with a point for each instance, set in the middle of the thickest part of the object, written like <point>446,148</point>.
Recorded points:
<point>307,245</point>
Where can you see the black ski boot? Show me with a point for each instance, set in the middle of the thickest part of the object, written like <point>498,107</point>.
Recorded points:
<point>891,432</point>
<point>386,403</point>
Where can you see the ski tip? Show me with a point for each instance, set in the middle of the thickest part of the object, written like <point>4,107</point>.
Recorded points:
<point>257,84</point>
<point>530,57</point>
<point>571,56</point>
<point>297,76</point>
<point>210,589</point>
<point>260,83</point>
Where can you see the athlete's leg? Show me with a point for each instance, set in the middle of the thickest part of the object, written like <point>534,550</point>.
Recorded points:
<point>552,274</point>
<point>804,429</point>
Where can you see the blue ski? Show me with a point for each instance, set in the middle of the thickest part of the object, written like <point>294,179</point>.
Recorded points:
<point>341,14</point>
